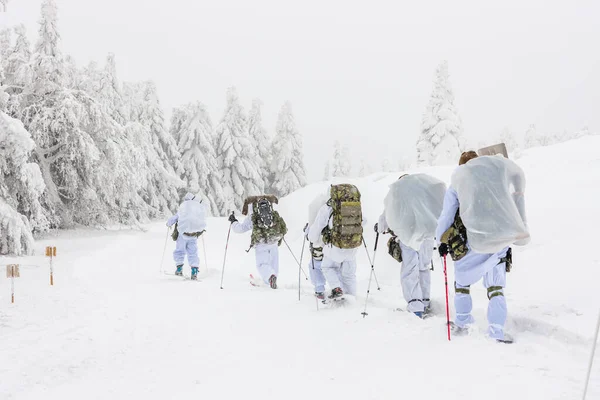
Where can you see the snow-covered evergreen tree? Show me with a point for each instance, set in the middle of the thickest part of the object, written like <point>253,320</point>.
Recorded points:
<point>80,150</point>
<point>110,92</point>
<point>441,140</point>
<point>19,73</point>
<point>179,115</point>
<point>3,5</point>
<point>341,161</point>
<point>153,118</point>
<point>386,165</point>
<point>160,181</point>
<point>261,139</point>
<point>508,138</point>
<point>531,138</point>
<point>585,131</point>
<point>21,185</point>
<point>362,169</point>
<point>287,165</point>
<point>237,156</point>
<point>403,164</point>
<point>5,46</point>
<point>201,172</point>
<point>327,171</point>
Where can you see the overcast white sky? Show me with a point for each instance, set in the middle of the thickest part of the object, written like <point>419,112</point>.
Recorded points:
<point>358,71</point>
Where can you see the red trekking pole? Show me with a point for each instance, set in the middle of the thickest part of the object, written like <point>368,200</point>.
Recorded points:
<point>447,306</point>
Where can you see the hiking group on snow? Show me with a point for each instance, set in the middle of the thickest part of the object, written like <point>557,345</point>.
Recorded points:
<point>475,220</point>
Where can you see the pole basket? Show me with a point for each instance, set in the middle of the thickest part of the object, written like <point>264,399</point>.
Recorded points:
<point>12,271</point>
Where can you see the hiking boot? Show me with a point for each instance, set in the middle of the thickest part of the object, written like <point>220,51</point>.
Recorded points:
<point>419,314</point>
<point>273,282</point>
<point>179,270</point>
<point>335,293</point>
<point>320,295</point>
<point>194,273</point>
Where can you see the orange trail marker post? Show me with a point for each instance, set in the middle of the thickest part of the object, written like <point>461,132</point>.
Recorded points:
<point>12,272</point>
<point>51,253</point>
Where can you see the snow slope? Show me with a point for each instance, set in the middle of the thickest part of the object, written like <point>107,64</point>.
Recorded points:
<point>114,327</point>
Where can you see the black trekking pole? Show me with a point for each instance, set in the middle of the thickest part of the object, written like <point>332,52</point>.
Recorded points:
<point>364,313</point>
<point>295,259</point>
<point>373,262</point>
<point>300,269</point>
<point>225,257</point>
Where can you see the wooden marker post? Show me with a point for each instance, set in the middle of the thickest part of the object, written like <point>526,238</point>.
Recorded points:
<point>51,253</point>
<point>12,272</point>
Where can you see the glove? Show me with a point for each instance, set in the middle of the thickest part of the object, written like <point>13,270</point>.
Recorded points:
<point>376,227</point>
<point>443,249</point>
<point>232,218</point>
<point>305,230</point>
<point>280,241</point>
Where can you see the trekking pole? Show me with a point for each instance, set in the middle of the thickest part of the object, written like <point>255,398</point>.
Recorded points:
<point>164,250</point>
<point>293,255</point>
<point>589,372</point>
<point>372,262</point>
<point>299,269</point>
<point>204,248</point>
<point>364,313</point>
<point>447,306</point>
<point>225,257</point>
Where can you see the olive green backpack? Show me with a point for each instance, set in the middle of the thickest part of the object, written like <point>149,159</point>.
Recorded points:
<point>346,217</point>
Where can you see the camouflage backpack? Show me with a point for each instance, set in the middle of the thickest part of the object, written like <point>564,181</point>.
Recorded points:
<point>267,225</point>
<point>346,217</point>
<point>456,238</point>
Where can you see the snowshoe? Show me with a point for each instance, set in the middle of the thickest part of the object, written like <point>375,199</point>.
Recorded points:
<point>273,282</point>
<point>179,270</point>
<point>194,276</point>
<point>458,330</point>
<point>336,293</point>
<point>320,295</point>
<point>507,339</point>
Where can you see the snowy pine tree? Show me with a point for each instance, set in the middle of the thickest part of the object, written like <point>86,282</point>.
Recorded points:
<point>5,46</point>
<point>82,152</point>
<point>341,161</point>
<point>327,171</point>
<point>19,72</point>
<point>237,156</point>
<point>201,172</point>
<point>159,181</point>
<point>441,139</point>
<point>153,118</point>
<point>362,169</point>
<point>262,141</point>
<point>179,115</point>
<point>386,165</point>
<point>531,138</point>
<point>287,165</point>
<point>110,94</point>
<point>21,185</point>
<point>508,138</point>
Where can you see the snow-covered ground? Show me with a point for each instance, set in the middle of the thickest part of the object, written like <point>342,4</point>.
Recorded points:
<point>114,327</point>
